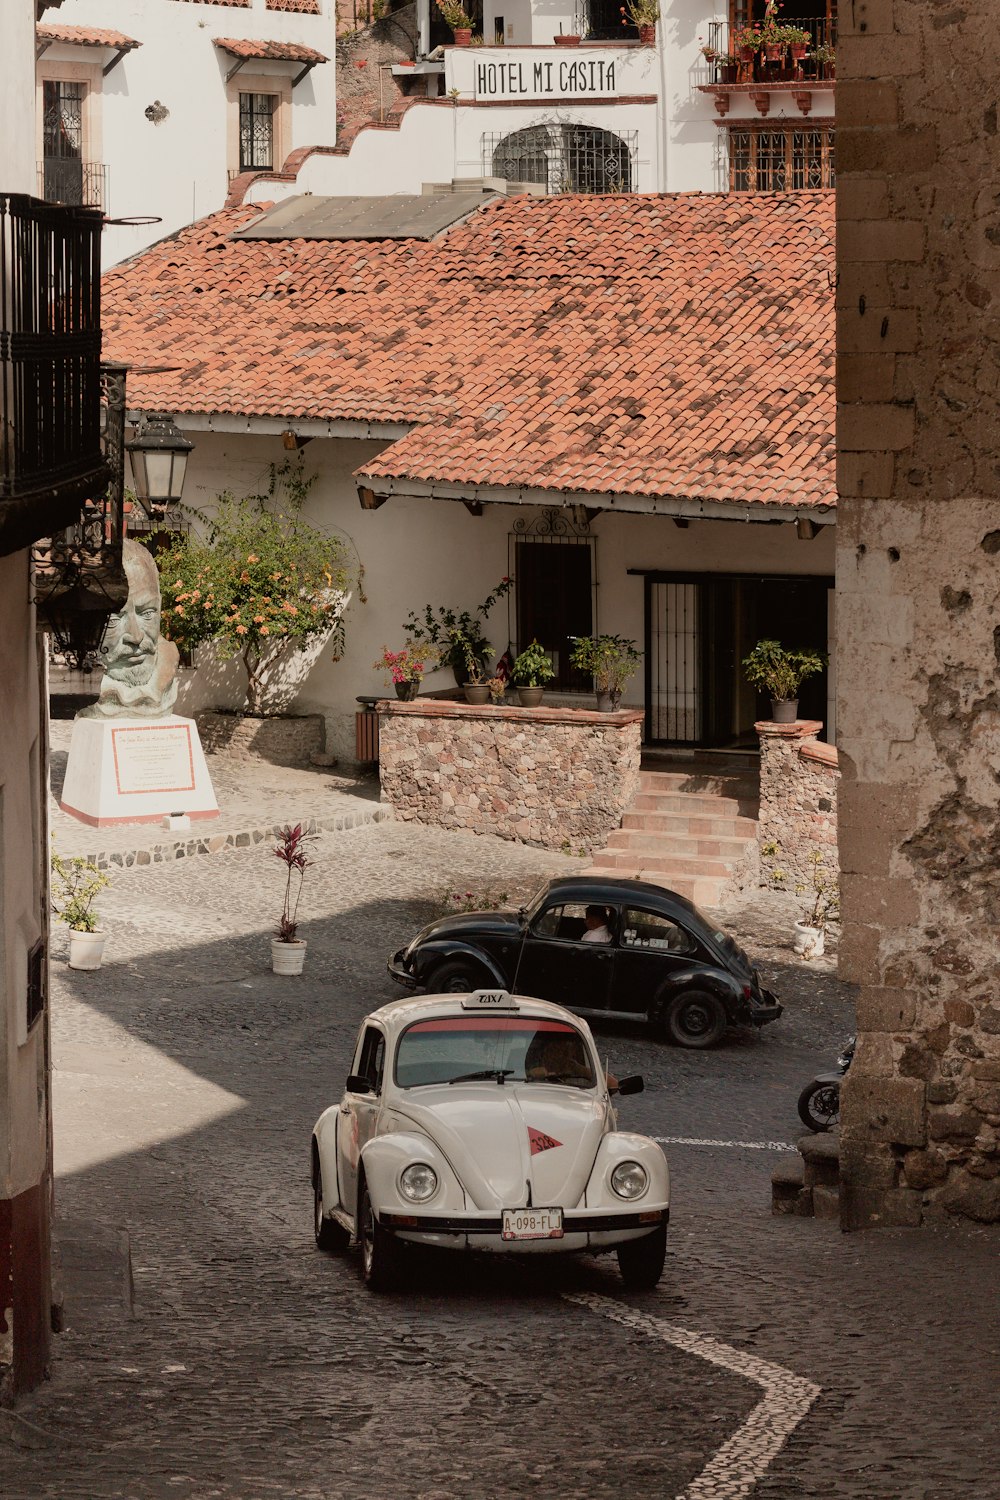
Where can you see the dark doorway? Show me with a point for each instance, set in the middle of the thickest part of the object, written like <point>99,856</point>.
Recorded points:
<point>554,584</point>
<point>699,627</point>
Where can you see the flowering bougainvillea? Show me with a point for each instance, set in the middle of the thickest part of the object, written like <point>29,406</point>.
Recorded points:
<point>401,666</point>
<point>261,581</point>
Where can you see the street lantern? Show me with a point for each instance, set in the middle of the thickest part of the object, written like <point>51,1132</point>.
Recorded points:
<point>159,456</point>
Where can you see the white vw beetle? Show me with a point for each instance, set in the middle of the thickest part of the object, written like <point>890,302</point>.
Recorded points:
<point>484,1122</point>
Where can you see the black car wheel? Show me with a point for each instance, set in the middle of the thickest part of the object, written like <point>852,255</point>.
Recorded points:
<point>457,977</point>
<point>379,1251</point>
<point>641,1261</point>
<point>696,1019</point>
<point>819,1105</point>
<point>329,1234</point>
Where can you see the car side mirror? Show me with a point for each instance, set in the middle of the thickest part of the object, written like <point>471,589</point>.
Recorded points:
<point>631,1085</point>
<point>357,1085</point>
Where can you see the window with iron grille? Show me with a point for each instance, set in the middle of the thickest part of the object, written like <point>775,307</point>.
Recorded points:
<point>257,131</point>
<point>564,158</point>
<point>784,158</point>
<point>553,565</point>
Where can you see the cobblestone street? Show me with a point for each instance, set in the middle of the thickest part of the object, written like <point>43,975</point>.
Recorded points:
<point>187,1079</point>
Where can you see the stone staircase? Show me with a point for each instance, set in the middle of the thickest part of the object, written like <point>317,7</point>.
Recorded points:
<point>686,830</point>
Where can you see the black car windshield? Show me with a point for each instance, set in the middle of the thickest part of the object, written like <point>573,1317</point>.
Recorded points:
<point>492,1049</point>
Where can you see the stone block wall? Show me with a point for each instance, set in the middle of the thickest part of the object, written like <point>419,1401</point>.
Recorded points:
<point>539,776</point>
<point>918,605</point>
<point>285,740</point>
<point>798,803</point>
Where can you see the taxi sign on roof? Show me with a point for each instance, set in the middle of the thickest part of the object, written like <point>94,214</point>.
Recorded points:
<point>489,1000</point>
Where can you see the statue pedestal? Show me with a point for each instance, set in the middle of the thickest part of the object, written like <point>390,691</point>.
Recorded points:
<point>136,771</point>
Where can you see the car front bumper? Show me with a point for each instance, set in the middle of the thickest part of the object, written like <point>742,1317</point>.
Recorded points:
<point>582,1231</point>
<point>399,972</point>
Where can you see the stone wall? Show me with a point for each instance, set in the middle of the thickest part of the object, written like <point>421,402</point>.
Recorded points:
<point>798,803</point>
<point>918,601</point>
<point>285,740</point>
<point>537,775</point>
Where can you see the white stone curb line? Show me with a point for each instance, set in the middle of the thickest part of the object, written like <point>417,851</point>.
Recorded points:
<point>734,1470</point>
<point>692,1140</point>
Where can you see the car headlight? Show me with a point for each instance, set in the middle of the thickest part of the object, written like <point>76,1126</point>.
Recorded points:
<point>419,1182</point>
<point>629,1179</point>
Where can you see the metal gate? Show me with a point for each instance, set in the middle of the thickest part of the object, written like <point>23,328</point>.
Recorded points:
<point>673,663</point>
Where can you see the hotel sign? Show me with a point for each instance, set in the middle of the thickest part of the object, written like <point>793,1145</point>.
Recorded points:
<point>581,77</point>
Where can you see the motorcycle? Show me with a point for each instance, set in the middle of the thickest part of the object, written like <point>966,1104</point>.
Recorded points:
<point>819,1101</point>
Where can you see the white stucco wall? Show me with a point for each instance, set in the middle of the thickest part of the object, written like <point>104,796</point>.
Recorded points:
<point>177,169</point>
<point>17,88</point>
<point>417,552</point>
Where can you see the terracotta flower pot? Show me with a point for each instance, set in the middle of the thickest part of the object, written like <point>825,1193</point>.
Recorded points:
<point>773,51</point>
<point>463,36</point>
<point>647,35</point>
<point>568,40</point>
<point>799,50</point>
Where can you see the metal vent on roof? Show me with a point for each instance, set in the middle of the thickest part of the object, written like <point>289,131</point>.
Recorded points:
<point>400,217</point>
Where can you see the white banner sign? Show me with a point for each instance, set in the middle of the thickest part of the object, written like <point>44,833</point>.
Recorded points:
<point>580,75</point>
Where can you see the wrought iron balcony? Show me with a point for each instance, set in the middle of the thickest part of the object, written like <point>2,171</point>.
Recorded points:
<point>727,63</point>
<point>51,458</point>
<point>79,184</point>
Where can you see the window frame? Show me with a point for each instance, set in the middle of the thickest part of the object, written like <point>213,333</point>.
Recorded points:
<point>278,85</point>
<point>825,130</point>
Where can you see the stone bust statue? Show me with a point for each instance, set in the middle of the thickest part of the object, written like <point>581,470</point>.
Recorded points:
<point>140,667</point>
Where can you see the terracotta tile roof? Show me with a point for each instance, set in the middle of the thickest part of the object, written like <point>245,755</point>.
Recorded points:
<point>676,346</point>
<point>84,36</point>
<point>273,51</point>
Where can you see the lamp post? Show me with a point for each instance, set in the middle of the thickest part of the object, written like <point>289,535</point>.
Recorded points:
<point>159,455</point>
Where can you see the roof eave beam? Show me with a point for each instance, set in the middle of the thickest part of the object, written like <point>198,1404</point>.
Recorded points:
<point>299,76</point>
<point>41,47</point>
<point>119,54</point>
<point>240,62</point>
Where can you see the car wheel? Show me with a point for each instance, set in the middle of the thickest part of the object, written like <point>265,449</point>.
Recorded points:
<point>379,1251</point>
<point>330,1235</point>
<point>819,1105</point>
<point>696,1019</point>
<point>641,1261</point>
<point>455,978</point>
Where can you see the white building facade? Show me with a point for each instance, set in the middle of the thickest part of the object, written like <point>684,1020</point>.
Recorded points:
<point>149,109</point>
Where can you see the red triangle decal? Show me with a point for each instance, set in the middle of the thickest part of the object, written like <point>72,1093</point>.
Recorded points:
<point>540,1141</point>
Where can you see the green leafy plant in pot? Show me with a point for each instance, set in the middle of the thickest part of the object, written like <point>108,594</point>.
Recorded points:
<point>457,637</point>
<point>76,884</point>
<point>610,660</point>
<point>531,671</point>
<point>780,673</point>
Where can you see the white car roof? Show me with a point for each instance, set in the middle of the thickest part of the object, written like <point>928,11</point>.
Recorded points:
<point>398,1014</point>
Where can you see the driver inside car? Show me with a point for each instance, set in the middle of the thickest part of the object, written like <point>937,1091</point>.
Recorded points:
<point>559,1057</point>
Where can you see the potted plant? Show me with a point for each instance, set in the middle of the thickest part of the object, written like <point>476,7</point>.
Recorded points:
<point>747,42</point>
<point>405,670</point>
<point>610,660</point>
<point>497,689</point>
<point>76,883</point>
<point>288,950</point>
<point>475,688</point>
<point>458,19</point>
<point>643,15</point>
<point>453,635</point>
<point>797,40</point>
<point>780,673</point>
<point>531,671</point>
<point>824,908</point>
<point>825,58</point>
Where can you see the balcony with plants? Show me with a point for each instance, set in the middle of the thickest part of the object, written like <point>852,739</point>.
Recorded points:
<point>769,55</point>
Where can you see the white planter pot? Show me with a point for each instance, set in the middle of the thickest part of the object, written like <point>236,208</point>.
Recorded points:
<point>808,940</point>
<point>288,958</point>
<point>86,949</point>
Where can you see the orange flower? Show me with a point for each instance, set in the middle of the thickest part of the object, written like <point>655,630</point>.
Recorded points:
<point>244,576</point>
<point>264,630</point>
<point>257,619</point>
<point>241,630</point>
<point>179,610</point>
<point>252,557</point>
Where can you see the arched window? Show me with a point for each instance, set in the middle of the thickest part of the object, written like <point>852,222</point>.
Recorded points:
<point>564,158</point>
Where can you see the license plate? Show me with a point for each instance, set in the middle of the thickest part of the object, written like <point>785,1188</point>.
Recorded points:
<point>532,1224</point>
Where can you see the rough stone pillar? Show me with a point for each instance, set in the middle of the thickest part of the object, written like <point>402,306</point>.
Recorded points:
<point>918,623</point>
<point>798,804</point>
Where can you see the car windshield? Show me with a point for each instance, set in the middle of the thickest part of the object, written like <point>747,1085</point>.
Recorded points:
<point>721,939</point>
<point>493,1049</point>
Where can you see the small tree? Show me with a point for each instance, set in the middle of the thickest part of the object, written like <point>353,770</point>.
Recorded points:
<point>76,884</point>
<point>261,582</point>
<point>778,672</point>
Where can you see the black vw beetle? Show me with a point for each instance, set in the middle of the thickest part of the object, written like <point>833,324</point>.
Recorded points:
<point>613,948</point>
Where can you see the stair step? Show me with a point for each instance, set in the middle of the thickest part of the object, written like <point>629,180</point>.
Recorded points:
<point>676,844</point>
<point>694,803</point>
<point>711,783</point>
<point>693,865</point>
<point>686,825</point>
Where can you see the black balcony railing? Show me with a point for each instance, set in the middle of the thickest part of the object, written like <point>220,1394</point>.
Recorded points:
<point>79,184</point>
<point>728,63</point>
<point>50,375</point>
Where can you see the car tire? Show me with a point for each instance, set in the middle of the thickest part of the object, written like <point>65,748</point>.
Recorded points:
<point>696,1019</point>
<point>379,1252</point>
<point>641,1261</point>
<point>329,1233</point>
<point>456,977</point>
